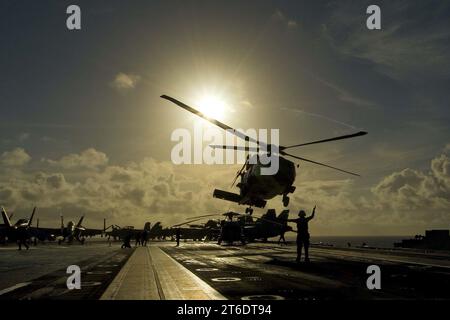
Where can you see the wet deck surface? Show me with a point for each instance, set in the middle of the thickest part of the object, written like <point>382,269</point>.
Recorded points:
<point>270,271</point>
<point>209,271</point>
<point>41,272</point>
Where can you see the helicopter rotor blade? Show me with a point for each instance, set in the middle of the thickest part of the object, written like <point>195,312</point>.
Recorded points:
<point>261,218</point>
<point>318,163</point>
<point>203,216</point>
<point>267,220</point>
<point>238,173</point>
<point>347,136</point>
<point>238,148</point>
<point>211,120</point>
<point>187,222</point>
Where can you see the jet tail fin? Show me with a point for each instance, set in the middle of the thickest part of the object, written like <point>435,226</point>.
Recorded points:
<point>32,215</point>
<point>6,218</point>
<point>284,215</point>
<point>80,222</point>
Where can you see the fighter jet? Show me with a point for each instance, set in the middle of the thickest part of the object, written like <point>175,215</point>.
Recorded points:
<point>18,232</point>
<point>66,233</point>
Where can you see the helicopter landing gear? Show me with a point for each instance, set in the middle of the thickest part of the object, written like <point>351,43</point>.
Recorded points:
<point>285,200</point>
<point>249,210</point>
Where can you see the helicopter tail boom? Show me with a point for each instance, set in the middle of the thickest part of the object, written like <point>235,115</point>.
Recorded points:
<point>234,197</point>
<point>225,195</point>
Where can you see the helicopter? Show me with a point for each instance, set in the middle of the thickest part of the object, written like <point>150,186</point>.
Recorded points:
<point>243,228</point>
<point>201,231</point>
<point>118,232</point>
<point>256,188</point>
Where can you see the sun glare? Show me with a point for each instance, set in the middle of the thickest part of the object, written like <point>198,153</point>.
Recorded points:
<point>212,106</point>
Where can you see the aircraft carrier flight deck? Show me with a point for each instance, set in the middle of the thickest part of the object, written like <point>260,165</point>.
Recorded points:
<point>198,271</point>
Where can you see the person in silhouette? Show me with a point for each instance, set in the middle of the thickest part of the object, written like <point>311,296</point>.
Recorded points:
<point>137,237</point>
<point>302,233</point>
<point>282,238</point>
<point>22,237</point>
<point>178,236</point>
<point>144,238</point>
<point>127,240</point>
<point>284,229</point>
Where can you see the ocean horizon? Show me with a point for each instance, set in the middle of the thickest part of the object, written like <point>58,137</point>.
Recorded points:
<point>343,241</point>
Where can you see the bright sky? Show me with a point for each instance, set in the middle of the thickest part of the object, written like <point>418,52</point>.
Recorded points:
<point>84,131</point>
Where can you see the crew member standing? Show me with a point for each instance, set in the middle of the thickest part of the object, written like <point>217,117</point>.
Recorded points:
<point>22,238</point>
<point>178,236</point>
<point>302,233</point>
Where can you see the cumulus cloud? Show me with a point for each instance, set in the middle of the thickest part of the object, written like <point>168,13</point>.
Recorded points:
<point>411,199</point>
<point>447,148</point>
<point>151,190</point>
<point>411,189</point>
<point>16,157</point>
<point>89,158</point>
<point>331,195</point>
<point>124,81</point>
<point>131,193</point>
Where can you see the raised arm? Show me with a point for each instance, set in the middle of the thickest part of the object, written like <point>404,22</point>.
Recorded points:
<point>312,214</point>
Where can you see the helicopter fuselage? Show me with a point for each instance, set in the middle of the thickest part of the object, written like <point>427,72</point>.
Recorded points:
<point>255,187</point>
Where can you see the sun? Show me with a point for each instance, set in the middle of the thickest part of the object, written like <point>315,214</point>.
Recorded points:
<point>212,106</point>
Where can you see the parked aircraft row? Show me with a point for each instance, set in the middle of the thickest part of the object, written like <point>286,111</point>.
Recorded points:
<point>22,230</point>
<point>228,227</point>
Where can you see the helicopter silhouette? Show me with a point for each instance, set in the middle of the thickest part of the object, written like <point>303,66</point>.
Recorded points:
<point>237,227</point>
<point>256,188</point>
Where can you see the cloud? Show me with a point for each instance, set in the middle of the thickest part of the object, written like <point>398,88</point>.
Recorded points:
<point>124,81</point>
<point>411,189</point>
<point>447,148</point>
<point>292,24</point>
<point>23,136</point>
<point>331,195</point>
<point>412,43</point>
<point>280,17</point>
<point>151,190</point>
<point>131,193</point>
<point>347,96</point>
<point>408,198</point>
<point>16,157</point>
<point>246,103</point>
<point>17,139</point>
<point>89,158</point>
